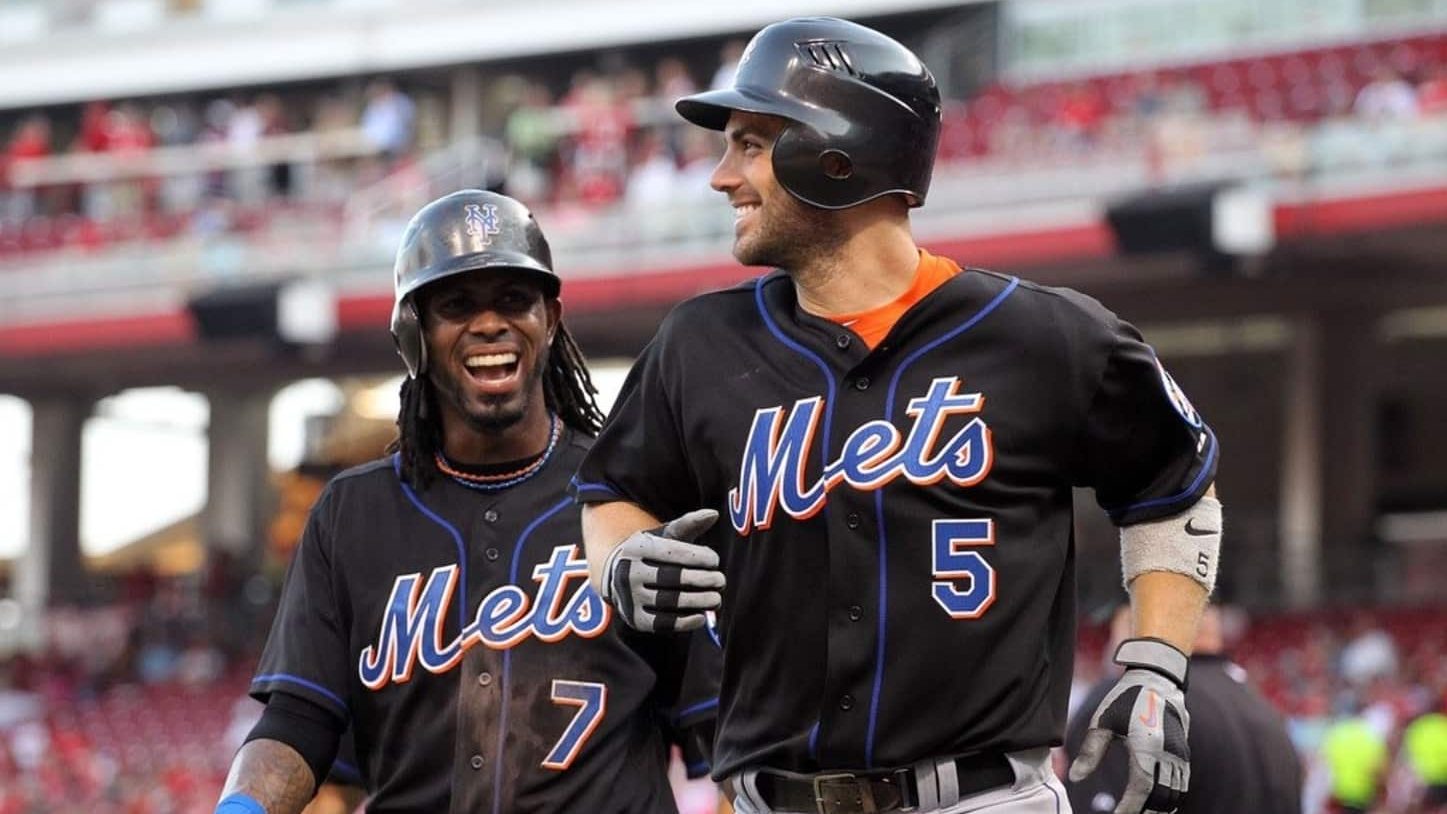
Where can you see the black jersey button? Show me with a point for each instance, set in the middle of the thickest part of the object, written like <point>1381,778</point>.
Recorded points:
<point>861,383</point>
<point>485,679</point>
<point>855,613</point>
<point>490,515</point>
<point>476,761</point>
<point>846,703</point>
<point>491,554</point>
<point>843,340</point>
<point>853,521</point>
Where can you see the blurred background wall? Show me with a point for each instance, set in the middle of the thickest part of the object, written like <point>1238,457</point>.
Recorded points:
<point>199,200</point>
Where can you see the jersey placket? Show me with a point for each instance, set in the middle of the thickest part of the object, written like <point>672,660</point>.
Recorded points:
<point>481,698</point>
<point>855,591</point>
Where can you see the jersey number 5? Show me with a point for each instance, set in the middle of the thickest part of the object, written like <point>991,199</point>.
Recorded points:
<point>953,562</point>
<point>591,699</point>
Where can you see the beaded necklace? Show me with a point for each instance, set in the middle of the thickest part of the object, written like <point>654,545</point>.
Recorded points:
<point>493,483</point>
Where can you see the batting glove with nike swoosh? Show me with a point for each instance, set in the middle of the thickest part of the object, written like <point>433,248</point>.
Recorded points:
<point>660,581</point>
<point>1147,709</point>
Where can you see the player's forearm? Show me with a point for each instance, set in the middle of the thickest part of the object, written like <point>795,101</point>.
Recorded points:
<point>1167,606</point>
<point>605,525</point>
<point>273,774</point>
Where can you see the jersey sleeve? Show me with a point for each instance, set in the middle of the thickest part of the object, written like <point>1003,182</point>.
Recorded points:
<point>1146,451</point>
<point>306,653</point>
<point>640,456</point>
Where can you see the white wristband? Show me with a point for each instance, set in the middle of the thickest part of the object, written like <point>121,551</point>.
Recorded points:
<point>1188,543</point>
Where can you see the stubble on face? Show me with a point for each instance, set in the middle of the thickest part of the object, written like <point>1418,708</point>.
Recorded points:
<point>790,235</point>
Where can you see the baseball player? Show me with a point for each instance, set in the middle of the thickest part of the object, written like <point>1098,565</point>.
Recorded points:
<point>888,445</point>
<point>1242,756</point>
<point>439,603</point>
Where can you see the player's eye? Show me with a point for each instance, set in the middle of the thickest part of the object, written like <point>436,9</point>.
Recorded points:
<point>452,306</point>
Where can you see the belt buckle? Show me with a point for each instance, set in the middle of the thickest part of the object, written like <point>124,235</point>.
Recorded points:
<point>843,793</point>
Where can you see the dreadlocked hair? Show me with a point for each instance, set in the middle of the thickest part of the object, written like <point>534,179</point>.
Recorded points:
<point>568,392</point>
<point>568,387</point>
<point>419,434</point>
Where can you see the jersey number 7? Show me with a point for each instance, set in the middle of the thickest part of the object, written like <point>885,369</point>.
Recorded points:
<point>953,561</point>
<point>591,699</point>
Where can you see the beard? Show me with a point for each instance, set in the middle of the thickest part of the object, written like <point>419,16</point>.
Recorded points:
<point>789,234</point>
<point>487,413</point>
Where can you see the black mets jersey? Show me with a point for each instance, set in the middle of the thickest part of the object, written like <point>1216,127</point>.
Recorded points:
<point>897,525</point>
<point>456,631</point>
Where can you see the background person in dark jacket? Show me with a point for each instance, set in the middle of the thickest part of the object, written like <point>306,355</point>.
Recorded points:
<point>1241,757</point>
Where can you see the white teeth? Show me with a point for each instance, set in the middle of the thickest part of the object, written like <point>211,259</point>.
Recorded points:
<point>491,359</point>
<point>744,209</point>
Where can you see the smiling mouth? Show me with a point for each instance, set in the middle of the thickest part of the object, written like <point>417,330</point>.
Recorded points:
<point>743,210</point>
<point>492,368</point>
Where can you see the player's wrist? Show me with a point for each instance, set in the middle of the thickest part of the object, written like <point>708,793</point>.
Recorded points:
<point>1156,656</point>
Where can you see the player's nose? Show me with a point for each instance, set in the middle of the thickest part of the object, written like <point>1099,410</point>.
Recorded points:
<point>488,322</point>
<point>725,177</point>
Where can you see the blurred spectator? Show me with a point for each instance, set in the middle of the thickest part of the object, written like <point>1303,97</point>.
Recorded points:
<point>672,80</point>
<point>532,133</point>
<point>389,119</point>
<point>1370,655</point>
<point>728,64</point>
<point>93,135</point>
<point>1080,117</point>
<point>599,164</point>
<point>1355,756</point>
<point>1432,93</point>
<point>1424,751</point>
<point>1241,757</point>
<point>31,141</point>
<point>651,189</point>
<point>1388,97</point>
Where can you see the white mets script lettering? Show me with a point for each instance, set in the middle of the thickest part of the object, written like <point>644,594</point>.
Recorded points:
<point>776,454</point>
<point>411,629</point>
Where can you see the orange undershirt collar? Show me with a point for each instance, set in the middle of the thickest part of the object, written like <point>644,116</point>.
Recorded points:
<point>874,324</point>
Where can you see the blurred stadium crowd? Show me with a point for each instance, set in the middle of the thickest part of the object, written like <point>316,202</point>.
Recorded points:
<point>608,138</point>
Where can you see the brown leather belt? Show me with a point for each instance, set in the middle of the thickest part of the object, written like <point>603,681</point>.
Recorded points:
<point>873,791</point>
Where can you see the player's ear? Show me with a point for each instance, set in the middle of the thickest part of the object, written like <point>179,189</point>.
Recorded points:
<point>554,308</point>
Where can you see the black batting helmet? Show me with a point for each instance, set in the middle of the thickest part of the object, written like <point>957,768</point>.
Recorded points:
<point>469,230</point>
<point>864,111</point>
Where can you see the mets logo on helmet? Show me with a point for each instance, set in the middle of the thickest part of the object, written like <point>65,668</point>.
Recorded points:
<point>481,221</point>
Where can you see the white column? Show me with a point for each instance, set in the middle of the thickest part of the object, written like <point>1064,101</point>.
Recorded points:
<point>1301,511</point>
<point>51,569</point>
<point>238,497</point>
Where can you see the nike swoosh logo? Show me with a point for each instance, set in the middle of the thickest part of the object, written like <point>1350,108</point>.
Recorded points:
<point>1195,532</point>
<point>1150,719</point>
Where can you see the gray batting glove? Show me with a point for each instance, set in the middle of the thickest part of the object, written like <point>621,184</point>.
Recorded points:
<point>660,581</point>
<point>1147,709</point>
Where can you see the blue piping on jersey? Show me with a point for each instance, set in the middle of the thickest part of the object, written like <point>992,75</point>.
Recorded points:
<point>517,551</point>
<point>1187,492</point>
<point>347,769</point>
<point>602,487</point>
<point>814,741</point>
<point>807,354</point>
<point>712,703</point>
<point>879,511</point>
<point>451,529</point>
<point>828,406</point>
<point>302,682</point>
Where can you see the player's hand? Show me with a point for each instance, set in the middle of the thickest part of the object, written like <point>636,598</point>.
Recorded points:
<point>1147,709</point>
<point>661,581</point>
